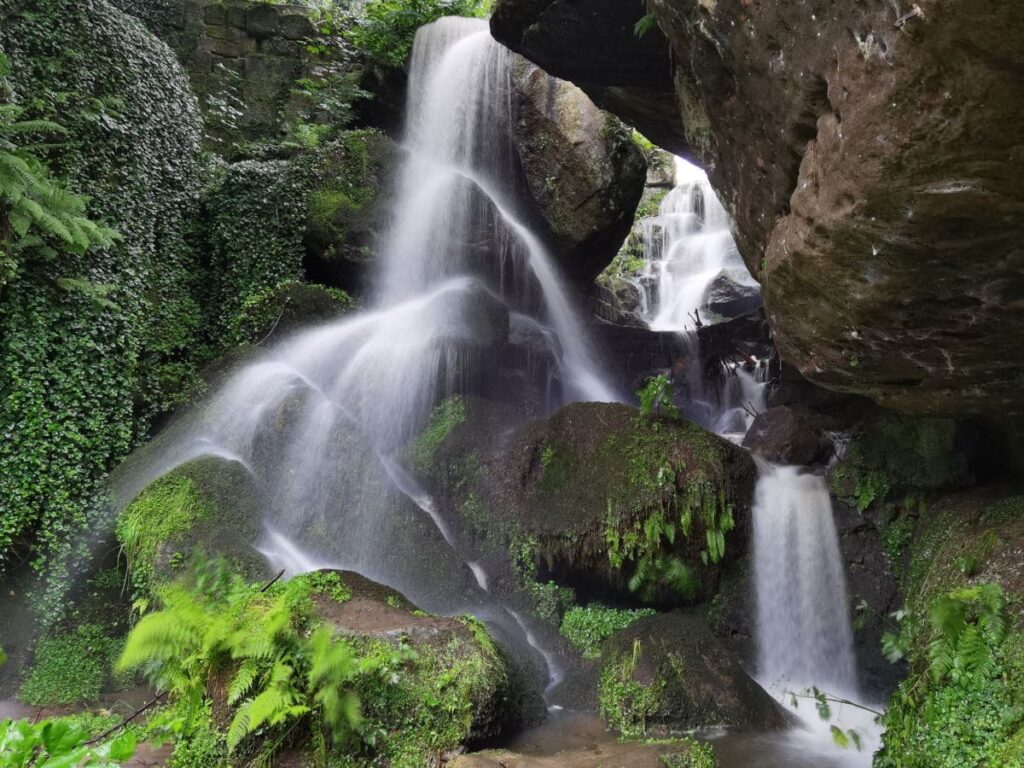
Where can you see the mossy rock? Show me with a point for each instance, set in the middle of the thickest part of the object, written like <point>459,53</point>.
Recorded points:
<point>965,543</point>
<point>590,485</point>
<point>459,687</point>
<point>345,213</point>
<point>669,674</point>
<point>209,505</point>
<point>276,312</point>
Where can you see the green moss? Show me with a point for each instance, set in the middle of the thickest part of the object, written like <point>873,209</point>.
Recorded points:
<point>329,583</point>
<point>71,667</point>
<point>285,307</point>
<point>589,626</point>
<point>445,418</point>
<point>169,507</point>
<point>626,704</point>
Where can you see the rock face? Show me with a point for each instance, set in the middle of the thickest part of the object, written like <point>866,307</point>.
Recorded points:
<point>594,44</point>
<point>581,167</point>
<point>670,673</point>
<point>872,167</point>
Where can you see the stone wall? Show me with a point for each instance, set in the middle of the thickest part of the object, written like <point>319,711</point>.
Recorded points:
<point>239,55</point>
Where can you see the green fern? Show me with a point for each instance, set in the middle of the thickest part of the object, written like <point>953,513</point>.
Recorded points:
<point>37,214</point>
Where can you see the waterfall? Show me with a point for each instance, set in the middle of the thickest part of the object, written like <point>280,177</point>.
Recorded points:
<point>687,245</point>
<point>804,634</point>
<point>320,418</point>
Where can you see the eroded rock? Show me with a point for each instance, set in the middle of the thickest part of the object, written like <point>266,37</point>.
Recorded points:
<point>870,162</point>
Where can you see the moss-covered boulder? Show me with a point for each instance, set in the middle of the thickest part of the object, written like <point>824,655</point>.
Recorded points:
<point>669,674</point>
<point>582,169</point>
<point>962,633</point>
<point>208,505</point>
<point>459,686</point>
<point>597,498</point>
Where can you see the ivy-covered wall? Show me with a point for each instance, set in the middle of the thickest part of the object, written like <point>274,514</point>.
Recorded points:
<point>93,346</point>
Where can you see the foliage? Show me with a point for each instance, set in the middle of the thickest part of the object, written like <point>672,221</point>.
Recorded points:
<point>656,397</point>
<point>286,669</point>
<point>70,667</point>
<point>257,220</point>
<point>60,743</point>
<point>550,600</point>
<point>385,29</point>
<point>625,703</point>
<point>168,507</point>
<point>36,212</point>
<point>698,754</point>
<point>588,626</point>
<point>961,705</point>
<point>329,583</point>
<point>645,24</point>
<point>646,542</point>
<point>94,344</point>
<point>445,418</point>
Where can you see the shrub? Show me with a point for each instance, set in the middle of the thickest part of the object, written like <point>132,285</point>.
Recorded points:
<point>587,627</point>
<point>70,667</point>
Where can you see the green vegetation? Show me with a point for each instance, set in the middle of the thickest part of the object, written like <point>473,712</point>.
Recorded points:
<point>288,680</point>
<point>625,703</point>
<point>962,705</point>
<point>656,398</point>
<point>445,418</point>
<point>37,214</point>
<point>95,343</point>
<point>697,755</point>
<point>586,627</point>
<point>59,743</point>
<point>385,29</point>
<point>71,667</point>
<point>168,507</point>
<point>285,668</point>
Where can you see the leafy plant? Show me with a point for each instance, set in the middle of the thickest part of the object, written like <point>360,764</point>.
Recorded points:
<point>386,28</point>
<point>697,755</point>
<point>645,24</point>
<point>70,667</point>
<point>59,744</point>
<point>286,668</point>
<point>38,215</point>
<point>625,703</point>
<point>656,397</point>
<point>587,627</point>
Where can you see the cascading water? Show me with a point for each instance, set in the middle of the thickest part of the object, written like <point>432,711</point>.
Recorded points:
<point>803,613</point>
<point>319,419</point>
<point>687,245</point>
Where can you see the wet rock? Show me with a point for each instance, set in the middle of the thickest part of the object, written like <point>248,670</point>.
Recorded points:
<point>279,311</point>
<point>496,695</point>
<point>730,293</point>
<point>345,211</point>
<point>563,495</point>
<point>671,674</point>
<point>582,169</point>
<point>854,175</point>
<point>785,436</point>
<point>595,45</point>
<point>208,505</point>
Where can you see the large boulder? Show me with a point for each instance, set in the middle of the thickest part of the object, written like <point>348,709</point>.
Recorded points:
<point>859,151</point>
<point>582,169</point>
<point>599,498</point>
<point>669,674</point>
<point>486,688</point>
